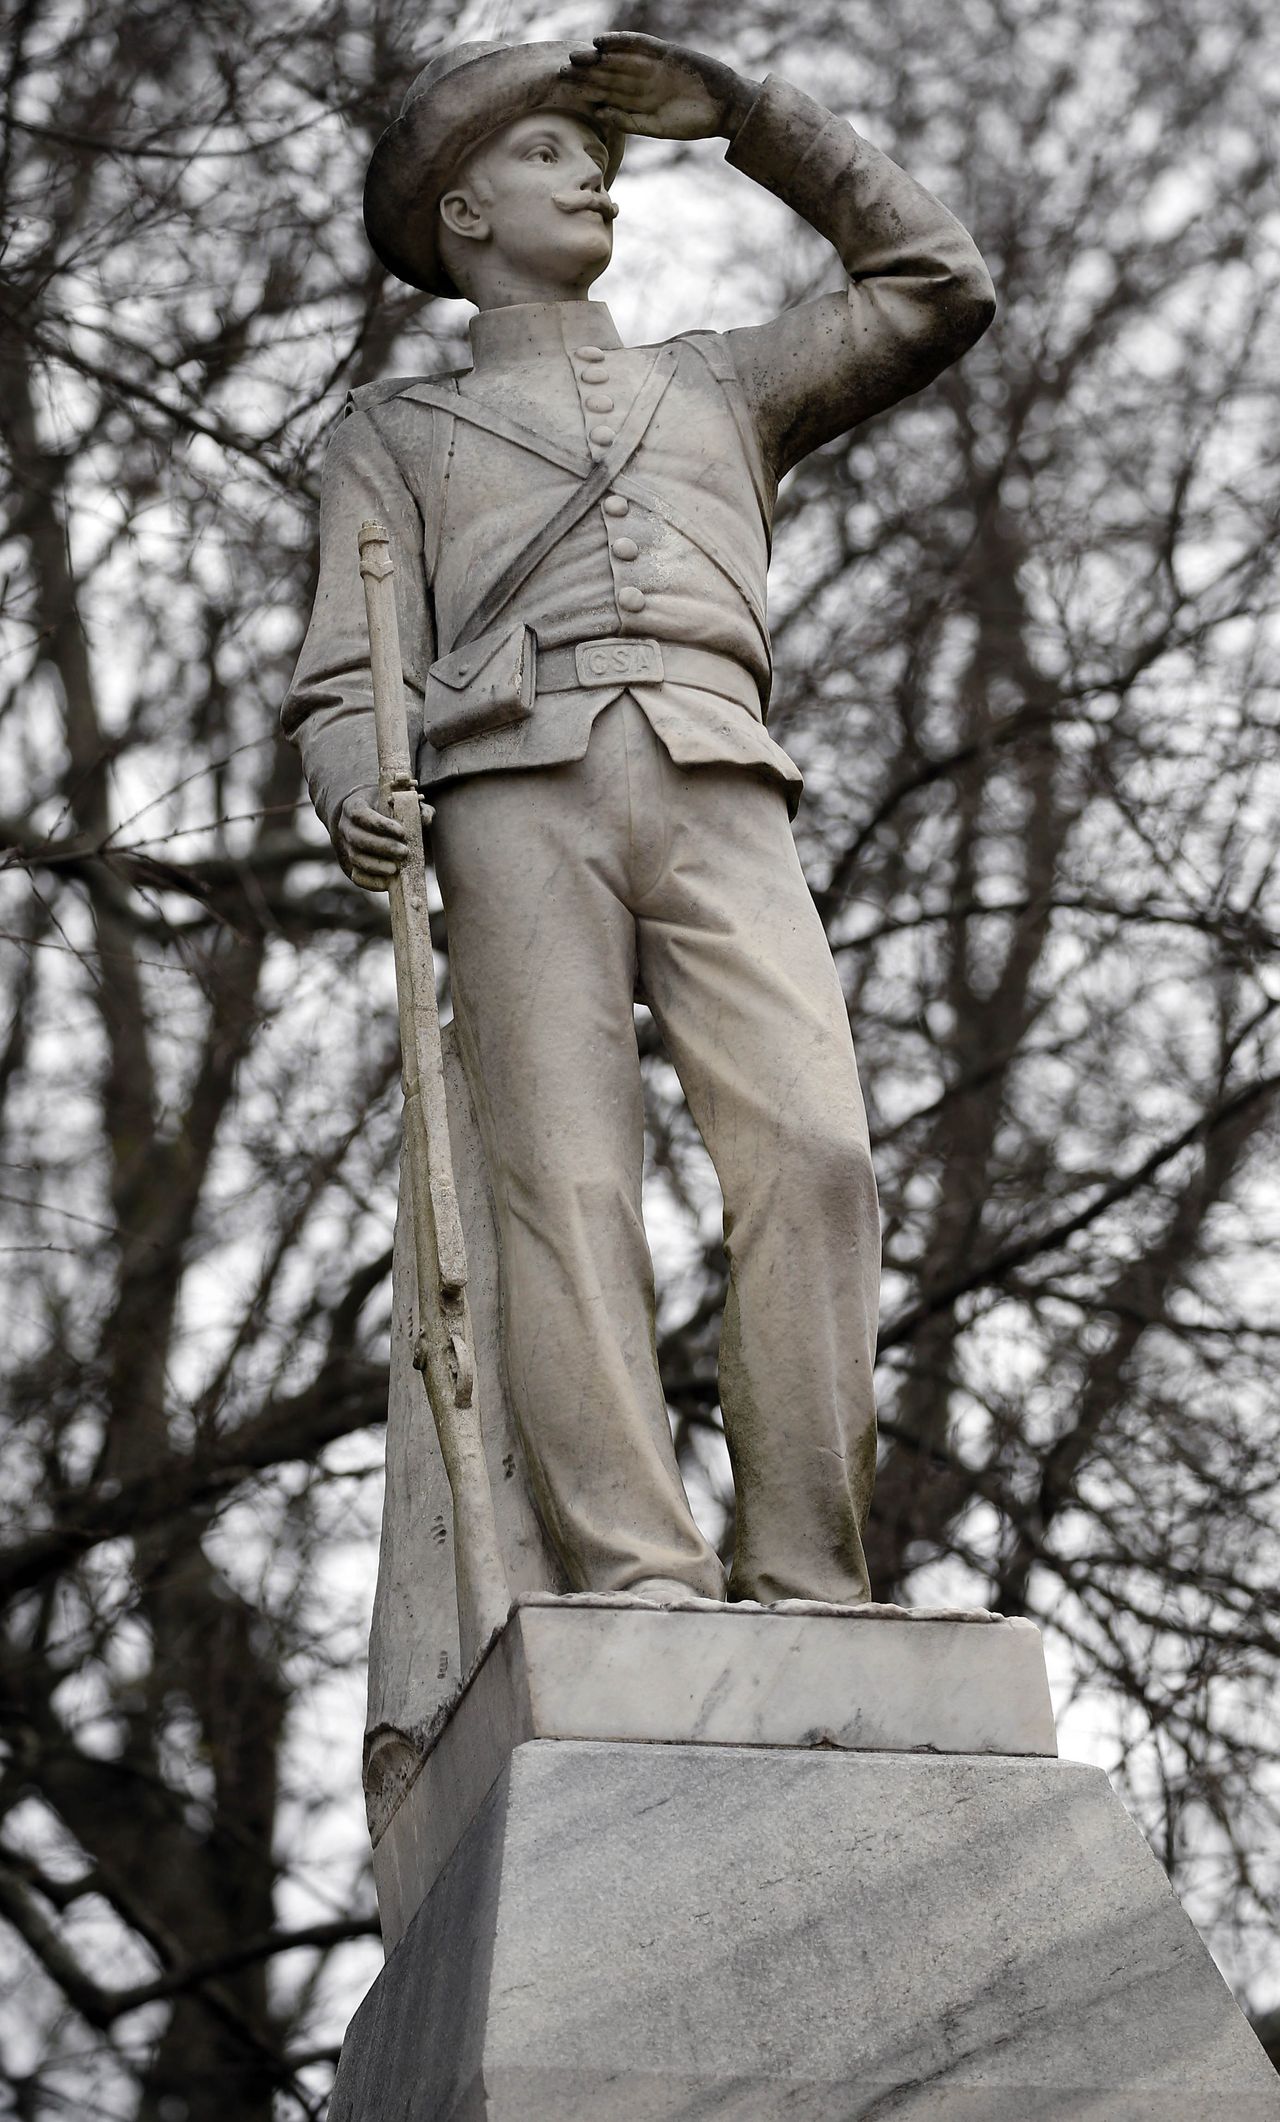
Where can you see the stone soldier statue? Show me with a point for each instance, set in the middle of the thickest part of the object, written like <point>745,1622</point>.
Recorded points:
<point>582,536</point>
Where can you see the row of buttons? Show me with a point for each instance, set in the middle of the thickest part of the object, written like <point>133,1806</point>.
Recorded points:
<point>594,372</point>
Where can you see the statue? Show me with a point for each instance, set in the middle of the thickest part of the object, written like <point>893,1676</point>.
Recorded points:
<point>581,536</point>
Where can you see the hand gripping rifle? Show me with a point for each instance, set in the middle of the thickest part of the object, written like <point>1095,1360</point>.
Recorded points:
<point>445,1351</point>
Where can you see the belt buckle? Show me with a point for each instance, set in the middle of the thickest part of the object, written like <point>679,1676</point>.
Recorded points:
<point>618,660</point>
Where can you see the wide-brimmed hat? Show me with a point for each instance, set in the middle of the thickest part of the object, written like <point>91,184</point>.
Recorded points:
<point>457,101</point>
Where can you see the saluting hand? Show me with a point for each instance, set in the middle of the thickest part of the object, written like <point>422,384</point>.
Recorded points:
<point>661,91</point>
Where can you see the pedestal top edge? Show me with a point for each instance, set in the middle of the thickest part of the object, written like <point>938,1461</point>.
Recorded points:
<point>622,1604</point>
<point>629,1602</point>
<point>604,1666</point>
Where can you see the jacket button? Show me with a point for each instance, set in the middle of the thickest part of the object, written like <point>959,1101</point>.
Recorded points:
<point>624,549</point>
<point>588,353</point>
<point>602,436</point>
<point>598,404</point>
<point>594,375</point>
<point>630,600</point>
<point>616,505</point>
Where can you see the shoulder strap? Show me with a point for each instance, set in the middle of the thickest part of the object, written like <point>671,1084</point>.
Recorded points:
<point>593,488</point>
<point>491,421</point>
<point>720,361</point>
<point>363,395</point>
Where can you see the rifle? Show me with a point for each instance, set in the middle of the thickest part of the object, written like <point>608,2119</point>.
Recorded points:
<point>445,1349</point>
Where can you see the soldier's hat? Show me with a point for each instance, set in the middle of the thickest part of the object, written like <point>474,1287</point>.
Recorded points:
<point>458,100</point>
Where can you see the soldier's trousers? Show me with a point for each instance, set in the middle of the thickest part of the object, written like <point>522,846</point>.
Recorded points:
<point>560,884</point>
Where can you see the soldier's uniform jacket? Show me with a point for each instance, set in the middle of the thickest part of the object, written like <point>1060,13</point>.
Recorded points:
<point>466,470</point>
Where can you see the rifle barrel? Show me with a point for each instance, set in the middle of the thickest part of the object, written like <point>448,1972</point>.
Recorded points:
<point>446,1347</point>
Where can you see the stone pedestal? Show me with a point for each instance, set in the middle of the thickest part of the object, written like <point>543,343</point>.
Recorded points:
<point>723,1863</point>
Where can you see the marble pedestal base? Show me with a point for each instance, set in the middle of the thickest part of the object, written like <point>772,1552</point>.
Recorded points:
<point>633,1931</point>
<point>596,1667</point>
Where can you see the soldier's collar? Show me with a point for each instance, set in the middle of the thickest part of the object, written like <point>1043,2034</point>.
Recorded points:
<point>539,331</point>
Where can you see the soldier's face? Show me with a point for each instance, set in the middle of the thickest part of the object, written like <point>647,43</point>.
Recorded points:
<point>533,195</point>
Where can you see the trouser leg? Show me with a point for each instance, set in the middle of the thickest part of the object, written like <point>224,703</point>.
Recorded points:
<point>737,969</point>
<point>532,867</point>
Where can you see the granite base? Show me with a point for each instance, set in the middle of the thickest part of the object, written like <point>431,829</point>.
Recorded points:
<point>639,1933</point>
<point>755,1864</point>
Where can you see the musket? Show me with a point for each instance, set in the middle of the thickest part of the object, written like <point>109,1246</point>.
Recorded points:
<point>445,1349</point>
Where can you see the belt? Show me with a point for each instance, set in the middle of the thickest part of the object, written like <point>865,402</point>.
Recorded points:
<point>629,659</point>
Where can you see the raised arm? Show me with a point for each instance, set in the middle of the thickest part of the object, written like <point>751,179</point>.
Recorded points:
<point>918,295</point>
<point>328,711</point>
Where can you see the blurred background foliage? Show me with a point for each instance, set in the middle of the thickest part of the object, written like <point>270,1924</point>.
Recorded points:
<point>1025,628</point>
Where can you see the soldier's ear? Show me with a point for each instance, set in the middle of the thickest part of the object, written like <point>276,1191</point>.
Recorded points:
<point>463,215</point>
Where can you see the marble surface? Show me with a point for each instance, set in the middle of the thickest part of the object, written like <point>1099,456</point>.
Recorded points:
<point>599,1668</point>
<point>641,1933</point>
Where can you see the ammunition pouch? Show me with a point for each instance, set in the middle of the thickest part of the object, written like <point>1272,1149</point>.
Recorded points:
<point>485,686</point>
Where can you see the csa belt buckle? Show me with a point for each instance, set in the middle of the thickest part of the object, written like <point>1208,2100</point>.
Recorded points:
<point>619,660</point>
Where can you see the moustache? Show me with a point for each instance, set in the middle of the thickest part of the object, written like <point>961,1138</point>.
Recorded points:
<point>586,203</point>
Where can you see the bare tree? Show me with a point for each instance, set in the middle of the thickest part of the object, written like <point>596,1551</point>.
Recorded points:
<point>1024,629</point>
<point>197,1093</point>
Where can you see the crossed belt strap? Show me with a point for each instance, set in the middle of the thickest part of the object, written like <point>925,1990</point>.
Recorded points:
<point>593,488</point>
<point>606,473</point>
